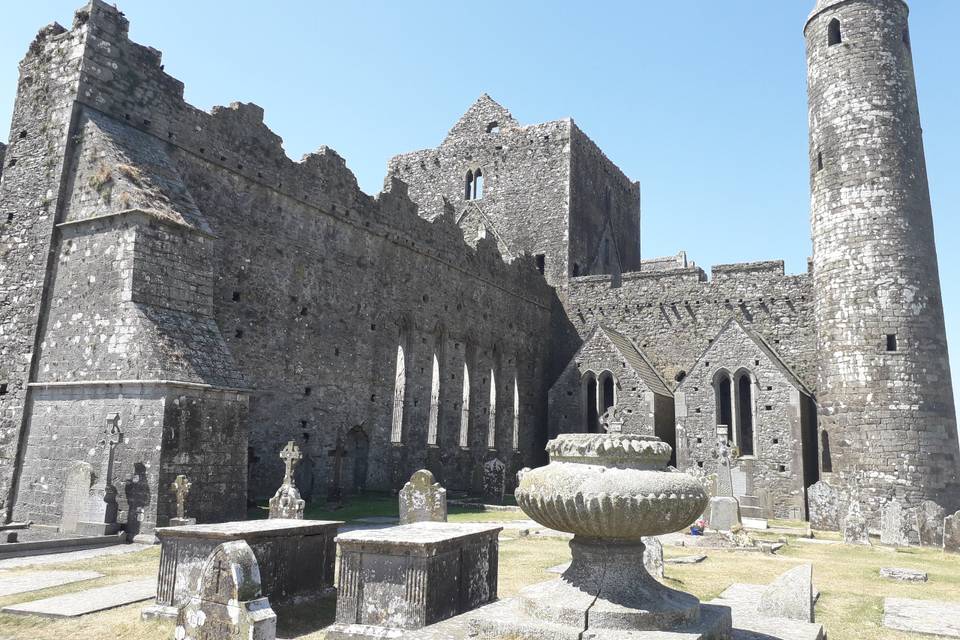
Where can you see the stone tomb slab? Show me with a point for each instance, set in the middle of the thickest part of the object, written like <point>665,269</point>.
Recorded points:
<point>81,603</point>
<point>922,616</point>
<point>37,580</point>
<point>412,576</point>
<point>296,559</point>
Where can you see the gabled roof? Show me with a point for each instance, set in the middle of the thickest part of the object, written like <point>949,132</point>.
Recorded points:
<point>634,358</point>
<point>482,113</point>
<point>733,324</point>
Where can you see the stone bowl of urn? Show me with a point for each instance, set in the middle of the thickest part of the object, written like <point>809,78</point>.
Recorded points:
<point>610,490</point>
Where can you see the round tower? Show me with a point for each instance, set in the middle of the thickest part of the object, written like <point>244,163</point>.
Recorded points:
<point>887,418</point>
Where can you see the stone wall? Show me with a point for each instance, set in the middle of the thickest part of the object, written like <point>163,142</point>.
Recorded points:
<point>884,389</point>
<point>774,472</point>
<point>29,196</point>
<point>192,251</point>
<point>548,190</point>
<point>673,315</point>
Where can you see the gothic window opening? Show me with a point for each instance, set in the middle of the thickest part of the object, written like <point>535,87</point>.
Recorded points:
<point>607,391</point>
<point>745,407</point>
<point>891,342</point>
<point>399,390</point>
<point>468,193</point>
<point>820,162</point>
<point>465,409</point>
<point>834,36</point>
<point>826,463</point>
<point>492,422</point>
<point>478,185</point>
<point>516,415</point>
<point>590,402</point>
<point>724,400</point>
<point>434,418</point>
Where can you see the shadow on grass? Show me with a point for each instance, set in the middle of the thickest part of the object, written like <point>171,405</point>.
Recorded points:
<point>368,505</point>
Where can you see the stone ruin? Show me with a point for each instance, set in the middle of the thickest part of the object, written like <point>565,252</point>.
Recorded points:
<point>228,604</point>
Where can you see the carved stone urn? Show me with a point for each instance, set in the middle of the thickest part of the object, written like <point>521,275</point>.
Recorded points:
<point>609,490</point>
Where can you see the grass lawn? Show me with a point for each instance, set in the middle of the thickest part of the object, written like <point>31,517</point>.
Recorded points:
<point>850,605</point>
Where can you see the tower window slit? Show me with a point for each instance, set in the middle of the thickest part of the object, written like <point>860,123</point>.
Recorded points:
<point>834,35</point>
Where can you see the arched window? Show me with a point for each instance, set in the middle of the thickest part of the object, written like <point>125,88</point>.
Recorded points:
<point>492,421</point>
<point>399,390</point>
<point>834,36</point>
<point>516,415</point>
<point>589,386</point>
<point>608,396</point>
<point>465,409</point>
<point>468,192</point>
<point>745,413</point>
<point>478,185</point>
<point>724,397</point>
<point>493,128</point>
<point>434,418</point>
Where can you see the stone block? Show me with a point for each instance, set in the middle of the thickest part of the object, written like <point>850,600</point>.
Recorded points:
<point>903,575</point>
<point>723,514</point>
<point>893,525</point>
<point>229,603</point>
<point>422,500</point>
<point>653,557</point>
<point>930,517</point>
<point>411,576</point>
<point>855,526</point>
<point>922,616</point>
<point>296,559</point>
<point>790,596</point>
<point>951,533</point>
<point>825,507</point>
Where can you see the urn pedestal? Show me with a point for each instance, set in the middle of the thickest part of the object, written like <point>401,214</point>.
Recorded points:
<point>608,490</point>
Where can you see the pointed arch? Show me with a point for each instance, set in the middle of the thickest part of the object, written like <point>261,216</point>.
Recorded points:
<point>465,408</point>
<point>478,184</point>
<point>399,391</point>
<point>492,415</point>
<point>745,413</point>
<point>468,190</point>
<point>723,392</point>
<point>516,414</point>
<point>588,387</point>
<point>434,416</point>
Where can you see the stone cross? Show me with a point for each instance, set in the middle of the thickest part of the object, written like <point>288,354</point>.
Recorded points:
<point>723,453</point>
<point>291,456</point>
<point>181,487</point>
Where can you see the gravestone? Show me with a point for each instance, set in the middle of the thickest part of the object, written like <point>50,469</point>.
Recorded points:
<point>892,525</point>
<point>930,516</point>
<point>855,526</point>
<point>825,507</point>
<point>286,502</point>
<point>790,596</point>
<point>723,514</point>
<point>181,487</point>
<point>422,499</point>
<point>723,454</point>
<point>653,556</point>
<point>228,603</point>
<point>76,491</point>
<point>951,533</point>
<point>494,480</point>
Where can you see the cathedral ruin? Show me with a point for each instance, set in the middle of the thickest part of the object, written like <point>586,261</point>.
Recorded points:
<point>180,298</point>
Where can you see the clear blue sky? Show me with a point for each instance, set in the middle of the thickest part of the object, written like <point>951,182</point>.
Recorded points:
<point>702,101</point>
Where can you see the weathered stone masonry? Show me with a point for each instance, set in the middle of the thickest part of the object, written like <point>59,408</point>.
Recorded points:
<point>883,377</point>
<point>202,286</point>
<point>170,271</point>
